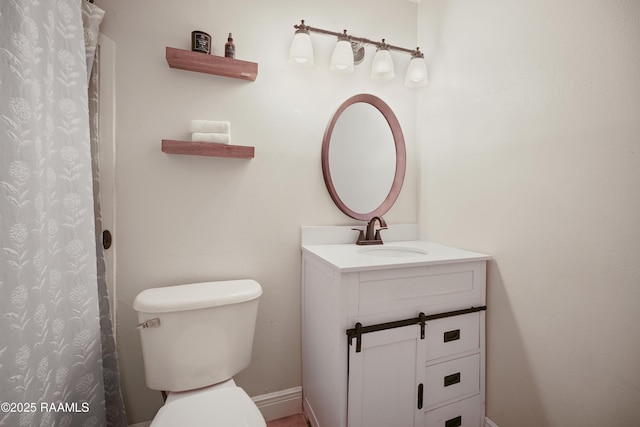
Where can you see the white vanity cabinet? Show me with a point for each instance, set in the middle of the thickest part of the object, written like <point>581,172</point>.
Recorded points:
<point>427,373</point>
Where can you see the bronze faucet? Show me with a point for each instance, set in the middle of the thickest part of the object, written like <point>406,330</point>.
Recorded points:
<point>372,235</point>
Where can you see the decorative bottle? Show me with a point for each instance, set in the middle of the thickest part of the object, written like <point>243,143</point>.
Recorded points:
<point>230,48</point>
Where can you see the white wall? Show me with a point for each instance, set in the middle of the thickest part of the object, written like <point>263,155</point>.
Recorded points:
<point>530,150</point>
<point>184,219</point>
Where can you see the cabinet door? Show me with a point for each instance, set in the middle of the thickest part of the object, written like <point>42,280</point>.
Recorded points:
<point>384,378</point>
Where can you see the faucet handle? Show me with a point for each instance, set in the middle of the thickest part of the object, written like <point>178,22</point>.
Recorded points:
<point>360,235</point>
<point>377,236</point>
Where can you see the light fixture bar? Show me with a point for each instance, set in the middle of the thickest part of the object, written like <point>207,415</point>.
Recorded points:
<point>363,40</point>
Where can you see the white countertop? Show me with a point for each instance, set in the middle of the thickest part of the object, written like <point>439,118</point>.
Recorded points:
<point>414,253</point>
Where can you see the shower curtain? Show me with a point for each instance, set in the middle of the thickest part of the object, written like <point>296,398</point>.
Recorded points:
<point>57,353</point>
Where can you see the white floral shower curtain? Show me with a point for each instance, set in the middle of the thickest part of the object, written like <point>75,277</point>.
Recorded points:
<point>57,357</point>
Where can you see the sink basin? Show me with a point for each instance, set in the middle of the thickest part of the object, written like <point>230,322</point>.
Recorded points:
<point>393,251</point>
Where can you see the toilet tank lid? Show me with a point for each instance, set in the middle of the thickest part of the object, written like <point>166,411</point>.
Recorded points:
<point>196,295</point>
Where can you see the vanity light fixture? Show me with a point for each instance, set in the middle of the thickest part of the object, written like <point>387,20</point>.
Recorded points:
<point>382,67</point>
<point>349,51</point>
<point>301,51</point>
<point>342,59</point>
<point>417,72</point>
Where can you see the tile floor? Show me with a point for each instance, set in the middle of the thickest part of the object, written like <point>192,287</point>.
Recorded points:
<point>297,420</point>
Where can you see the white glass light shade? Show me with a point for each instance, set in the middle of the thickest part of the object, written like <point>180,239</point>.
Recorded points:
<point>342,58</point>
<point>301,51</point>
<point>416,73</point>
<point>382,67</point>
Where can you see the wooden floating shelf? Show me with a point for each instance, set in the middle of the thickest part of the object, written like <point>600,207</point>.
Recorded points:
<point>211,64</point>
<point>211,149</point>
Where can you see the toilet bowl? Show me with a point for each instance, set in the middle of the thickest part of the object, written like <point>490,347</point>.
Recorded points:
<point>195,338</point>
<point>224,405</point>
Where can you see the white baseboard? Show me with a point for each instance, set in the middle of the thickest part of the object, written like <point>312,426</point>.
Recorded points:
<point>489,423</point>
<point>142,424</point>
<point>280,404</point>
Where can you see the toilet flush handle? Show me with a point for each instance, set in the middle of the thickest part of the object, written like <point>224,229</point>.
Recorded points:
<point>151,323</point>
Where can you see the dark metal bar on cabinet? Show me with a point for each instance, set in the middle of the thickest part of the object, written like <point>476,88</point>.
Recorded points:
<point>359,330</point>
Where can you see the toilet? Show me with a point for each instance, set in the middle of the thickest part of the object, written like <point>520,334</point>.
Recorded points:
<point>195,338</point>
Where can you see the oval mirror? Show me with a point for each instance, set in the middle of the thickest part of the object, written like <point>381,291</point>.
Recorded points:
<point>364,157</point>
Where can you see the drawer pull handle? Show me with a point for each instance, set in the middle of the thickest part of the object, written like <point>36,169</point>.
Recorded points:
<point>452,335</point>
<point>452,379</point>
<point>420,393</point>
<point>454,422</point>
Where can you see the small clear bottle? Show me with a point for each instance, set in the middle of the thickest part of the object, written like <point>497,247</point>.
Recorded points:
<point>230,48</point>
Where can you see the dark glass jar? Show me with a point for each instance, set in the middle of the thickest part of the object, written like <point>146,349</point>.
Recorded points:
<point>200,42</point>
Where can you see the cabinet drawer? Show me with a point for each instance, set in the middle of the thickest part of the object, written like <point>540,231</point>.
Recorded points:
<point>465,413</point>
<point>427,287</point>
<point>452,335</point>
<point>453,379</point>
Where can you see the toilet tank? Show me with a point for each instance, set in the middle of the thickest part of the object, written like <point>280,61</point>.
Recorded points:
<point>203,334</point>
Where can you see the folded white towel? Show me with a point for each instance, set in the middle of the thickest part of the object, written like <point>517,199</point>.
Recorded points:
<point>221,138</point>
<point>206,126</point>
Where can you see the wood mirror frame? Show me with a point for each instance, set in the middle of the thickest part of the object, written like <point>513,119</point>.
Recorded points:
<point>400,152</point>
